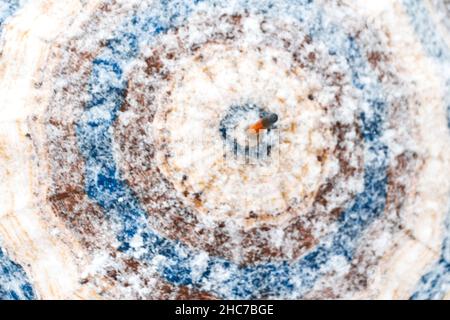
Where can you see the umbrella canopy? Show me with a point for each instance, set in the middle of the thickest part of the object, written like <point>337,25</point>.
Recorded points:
<point>173,149</point>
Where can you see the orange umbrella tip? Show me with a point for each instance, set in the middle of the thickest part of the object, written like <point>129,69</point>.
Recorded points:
<point>264,123</point>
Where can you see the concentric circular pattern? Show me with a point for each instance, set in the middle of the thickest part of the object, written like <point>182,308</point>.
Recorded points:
<point>151,179</point>
<point>179,125</point>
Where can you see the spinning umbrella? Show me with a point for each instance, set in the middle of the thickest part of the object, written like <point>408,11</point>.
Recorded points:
<point>210,149</point>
